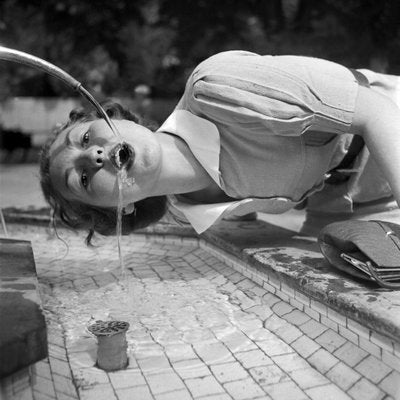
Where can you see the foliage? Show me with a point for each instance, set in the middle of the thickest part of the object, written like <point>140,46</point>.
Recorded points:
<point>112,46</point>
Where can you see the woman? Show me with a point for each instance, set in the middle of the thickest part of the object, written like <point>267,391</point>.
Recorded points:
<point>250,133</point>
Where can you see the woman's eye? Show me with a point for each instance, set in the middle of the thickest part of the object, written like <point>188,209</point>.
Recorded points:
<point>84,179</point>
<point>85,139</point>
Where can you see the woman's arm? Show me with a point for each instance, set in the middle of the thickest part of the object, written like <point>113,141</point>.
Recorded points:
<point>377,120</point>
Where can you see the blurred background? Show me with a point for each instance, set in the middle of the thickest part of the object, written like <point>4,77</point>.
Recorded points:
<point>141,51</point>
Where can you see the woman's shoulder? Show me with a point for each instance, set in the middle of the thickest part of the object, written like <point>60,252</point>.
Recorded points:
<point>222,59</point>
<point>232,54</point>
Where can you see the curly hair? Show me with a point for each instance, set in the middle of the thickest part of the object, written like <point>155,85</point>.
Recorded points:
<point>78,215</point>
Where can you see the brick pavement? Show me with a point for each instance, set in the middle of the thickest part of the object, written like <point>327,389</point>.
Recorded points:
<point>199,330</point>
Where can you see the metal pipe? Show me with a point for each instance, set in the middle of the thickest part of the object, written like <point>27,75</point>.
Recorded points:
<point>20,57</point>
<point>38,63</point>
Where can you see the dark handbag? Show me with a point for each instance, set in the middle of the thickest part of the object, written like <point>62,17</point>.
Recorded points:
<point>365,249</point>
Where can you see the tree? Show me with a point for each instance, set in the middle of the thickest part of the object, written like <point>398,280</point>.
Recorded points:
<point>122,43</point>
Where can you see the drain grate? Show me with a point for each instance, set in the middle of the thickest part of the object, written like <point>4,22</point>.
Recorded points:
<point>108,328</point>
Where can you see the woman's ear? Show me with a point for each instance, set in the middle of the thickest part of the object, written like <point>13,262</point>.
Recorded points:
<point>128,209</point>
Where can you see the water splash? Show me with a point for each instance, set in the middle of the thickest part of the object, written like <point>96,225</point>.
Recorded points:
<point>123,181</point>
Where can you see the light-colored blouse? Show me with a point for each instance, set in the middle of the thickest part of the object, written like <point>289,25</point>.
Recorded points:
<point>266,128</point>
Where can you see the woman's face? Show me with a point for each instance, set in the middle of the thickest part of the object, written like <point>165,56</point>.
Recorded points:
<point>83,165</point>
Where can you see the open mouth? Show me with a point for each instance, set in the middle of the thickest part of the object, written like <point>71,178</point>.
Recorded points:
<point>122,156</point>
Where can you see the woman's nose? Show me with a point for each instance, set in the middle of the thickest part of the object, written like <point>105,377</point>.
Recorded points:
<point>95,156</point>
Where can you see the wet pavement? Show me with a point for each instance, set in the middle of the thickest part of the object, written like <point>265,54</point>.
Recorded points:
<point>198,329</point>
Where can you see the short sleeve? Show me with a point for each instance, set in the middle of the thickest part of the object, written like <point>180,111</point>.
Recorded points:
<point>279,95</point>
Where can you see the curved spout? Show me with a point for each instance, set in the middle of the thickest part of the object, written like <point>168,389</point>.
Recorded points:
<point>36,62</point>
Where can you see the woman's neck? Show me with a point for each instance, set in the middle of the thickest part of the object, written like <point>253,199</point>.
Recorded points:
<point>180,171</point>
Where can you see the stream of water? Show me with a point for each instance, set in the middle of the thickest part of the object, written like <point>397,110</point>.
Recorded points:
<point>122,178</point>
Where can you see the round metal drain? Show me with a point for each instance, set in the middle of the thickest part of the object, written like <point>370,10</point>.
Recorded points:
<point>108,328</point>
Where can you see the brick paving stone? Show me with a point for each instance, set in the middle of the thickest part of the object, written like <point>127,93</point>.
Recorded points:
<point>313,328</point>
<point>98,392</point>
<point>236,277</point>
<point>343,376</point>
<point>126,378</point>
<point>286,390</point>
<point>104,279</point>
<point>308,377</point>
<point>358,328</point>
<point>82,359</point>
<point>315,315</point>
<point>391,384</point>
<point>253,358</point>
<point>90,377</point>
<point>370,347</point>
<point>214,353</point>
<point>319,307</point>
<point>82,344</point>
<point>204,386</point>
<point>84,284</point>
<point>282,308</point>
<point>191,369</point>
<point>365,390</point>
<point>177,395</point>
<point>60,367</point>
<point>245,389</point>
<point>222,396</point>
<point>249,324</point>
<point>219,280</point>
<point>135,393</point>
<point>229,372</point>
<point>229,287</point>
<point>322,360</point>
<point>289,333</point>
<point>268,374</point>
<point>258,291</point>
<point>64,385</point>
<point>262,311</point>
<point>270,299</point>
<point>290,362</point>
<point>56,352</point>
<point>154,364</point>
<point>42,368</point>
<point>198,335</point>
<point>327,392</point>
<point>18,382</point>
<point>275,347</point>
<point>165,382</point>
<point>350,354</point>
<point>41,396</point>
<point>305,346</point>
<point>348,334</point>
<point>274,322</point>
<point>55,335</point>
<point>245,284</point>
<point>296,317</point>
<point>44,386</point>
<point>237,341</point>
<point>330,340</point>
<point>391,359</point>
<point>373,369</point>
<point>260,334</point>
<point>60,396</point>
